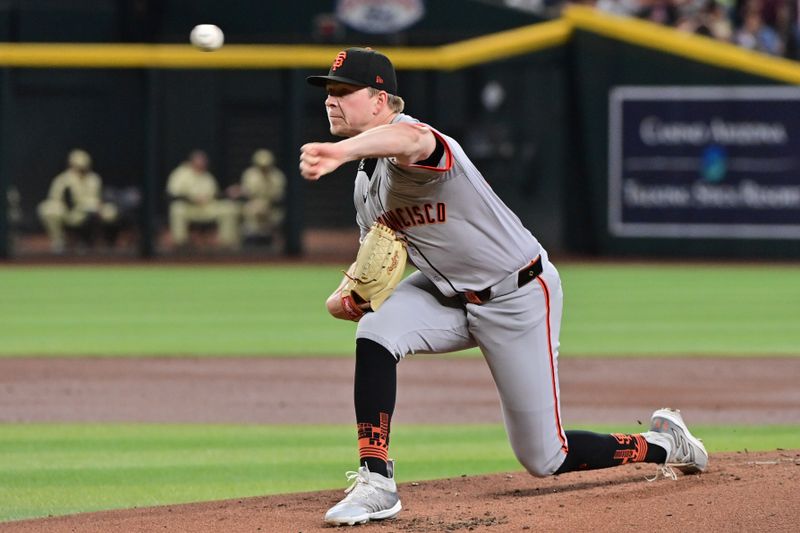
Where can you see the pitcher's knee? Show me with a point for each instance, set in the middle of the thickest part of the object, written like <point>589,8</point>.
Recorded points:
<point>370,327</point>
<point>536,468</point>
<point>540,464</point>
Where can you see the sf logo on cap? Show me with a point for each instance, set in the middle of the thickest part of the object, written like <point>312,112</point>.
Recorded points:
<point>339,60</point>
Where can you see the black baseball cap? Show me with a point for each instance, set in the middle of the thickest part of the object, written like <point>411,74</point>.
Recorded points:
<point>360,66</point>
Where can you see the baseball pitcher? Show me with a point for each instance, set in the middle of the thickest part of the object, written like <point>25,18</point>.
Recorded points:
<point>482,280</point>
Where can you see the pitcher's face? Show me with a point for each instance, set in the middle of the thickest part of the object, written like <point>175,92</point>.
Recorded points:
<point>350,109</point>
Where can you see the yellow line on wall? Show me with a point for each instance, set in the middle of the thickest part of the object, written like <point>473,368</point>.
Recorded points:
<point>42,55</point>
<point>506,44</point>
<point>494,47</point>
<point>671,41</point>
<point>448,57</point>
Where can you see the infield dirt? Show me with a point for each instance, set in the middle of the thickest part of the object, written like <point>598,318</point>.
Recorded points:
<point>740,491</point>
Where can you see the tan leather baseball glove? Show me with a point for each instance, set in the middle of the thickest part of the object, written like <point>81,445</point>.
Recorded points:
<point>379,267</point>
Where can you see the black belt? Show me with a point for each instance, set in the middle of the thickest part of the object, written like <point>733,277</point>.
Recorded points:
<point>524,276</point>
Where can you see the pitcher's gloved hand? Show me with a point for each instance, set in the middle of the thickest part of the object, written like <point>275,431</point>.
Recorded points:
<point>379,267</point>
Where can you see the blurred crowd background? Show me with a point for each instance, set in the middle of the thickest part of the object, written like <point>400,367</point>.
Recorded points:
<point>768,26</point>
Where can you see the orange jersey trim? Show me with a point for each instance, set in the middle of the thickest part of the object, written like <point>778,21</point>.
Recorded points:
<point>448,155</point>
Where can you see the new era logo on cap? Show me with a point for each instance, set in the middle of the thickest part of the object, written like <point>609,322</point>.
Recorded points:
<point>360,66</point>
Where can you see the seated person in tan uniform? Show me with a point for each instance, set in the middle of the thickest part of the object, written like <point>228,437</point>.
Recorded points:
<point>261,189</point>
<point>74,202</point>
<point>192,191</point>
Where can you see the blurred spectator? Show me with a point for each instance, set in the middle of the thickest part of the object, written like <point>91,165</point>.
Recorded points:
<point>619,7</point>
<point>793,31</point>
<point>768,26</point>
<point>755,34</point>
<point>778,15</point>
<point>74,204</point>
<point>659,11</point>
<point>710,20</point>
<point>261,189</point>
<point>192,190</point>
<point>770,10</point>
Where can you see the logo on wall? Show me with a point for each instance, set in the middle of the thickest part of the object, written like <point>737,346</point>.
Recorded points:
<point>714,163</point>
<point>379,16</point>
<point>704,162</point>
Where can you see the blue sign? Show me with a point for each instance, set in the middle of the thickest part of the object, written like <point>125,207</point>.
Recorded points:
<point>704,162</point>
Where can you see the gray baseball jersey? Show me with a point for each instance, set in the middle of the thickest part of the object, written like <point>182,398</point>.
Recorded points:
<point>460,234</point>
<point>463,238</point>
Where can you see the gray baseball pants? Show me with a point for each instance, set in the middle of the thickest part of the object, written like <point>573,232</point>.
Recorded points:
<point>518,336</point>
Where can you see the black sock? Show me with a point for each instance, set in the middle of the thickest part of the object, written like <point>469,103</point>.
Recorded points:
<point>374,393</point>
<point>590,451</point>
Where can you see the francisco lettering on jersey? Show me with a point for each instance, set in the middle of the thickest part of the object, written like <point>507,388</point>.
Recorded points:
<point>414,215</point>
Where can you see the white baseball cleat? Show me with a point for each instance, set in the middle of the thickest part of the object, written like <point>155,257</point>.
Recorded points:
<point>687,452</point>
<point>370,497</point>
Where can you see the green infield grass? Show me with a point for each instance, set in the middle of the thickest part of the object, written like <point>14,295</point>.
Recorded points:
<point>62,469</point>
<point>279,310</point>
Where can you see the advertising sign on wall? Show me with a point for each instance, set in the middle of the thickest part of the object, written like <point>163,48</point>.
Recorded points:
<point>704,162</point>
<point>380,16</point>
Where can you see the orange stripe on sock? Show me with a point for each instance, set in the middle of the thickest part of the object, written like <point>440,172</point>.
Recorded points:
<point>373,441</point>
<point>381,457</point>
<point>641,449</point>
<point>373,451</point>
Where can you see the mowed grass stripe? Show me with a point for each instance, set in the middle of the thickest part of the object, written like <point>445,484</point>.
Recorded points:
<point>169,311</point>
<point>67,468</point>
<point>279,310</point>
<point>681,309</point>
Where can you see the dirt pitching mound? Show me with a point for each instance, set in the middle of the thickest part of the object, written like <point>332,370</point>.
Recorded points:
<point>739,492</point>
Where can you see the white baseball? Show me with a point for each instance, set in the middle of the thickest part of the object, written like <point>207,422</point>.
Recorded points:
<point>207,37</point>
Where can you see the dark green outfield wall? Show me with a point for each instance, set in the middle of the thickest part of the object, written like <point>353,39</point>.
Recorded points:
<point>543,148</point>
<point>519,144</point>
